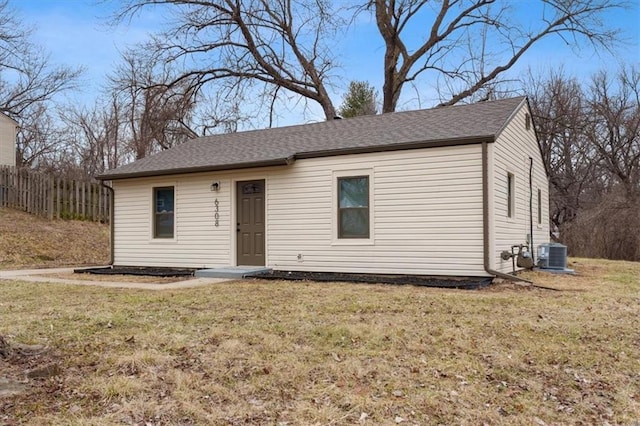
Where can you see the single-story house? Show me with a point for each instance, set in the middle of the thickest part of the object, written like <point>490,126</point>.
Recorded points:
<point>438,192</point>
<point>8,129</point>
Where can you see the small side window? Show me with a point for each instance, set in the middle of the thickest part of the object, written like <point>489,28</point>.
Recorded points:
<point>539,206</point>
<point>353,207</point>
<point>510,195</point>
<point>163,212</point>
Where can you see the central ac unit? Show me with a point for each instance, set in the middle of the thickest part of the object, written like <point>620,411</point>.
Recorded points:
<point>552,256</point>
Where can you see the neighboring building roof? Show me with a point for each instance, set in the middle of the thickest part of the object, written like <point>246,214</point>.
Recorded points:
<point>3,115</point>
<point>452,125</point>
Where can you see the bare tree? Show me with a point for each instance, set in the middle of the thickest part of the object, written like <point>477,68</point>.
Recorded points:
<point>28,83</point>
<point>224,108</point>
<point>560,112</point>
<point>138,114</point>
<point>38,137</point>
<point>155,111</point>
<point>590,138</point>
<point>26,75</point>
<point>451,28</point>
<point>614,109</point>
<point>94,137</point>
<point>284,44</point>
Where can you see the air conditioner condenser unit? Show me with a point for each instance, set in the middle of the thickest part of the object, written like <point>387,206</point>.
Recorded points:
<point>552,256</point>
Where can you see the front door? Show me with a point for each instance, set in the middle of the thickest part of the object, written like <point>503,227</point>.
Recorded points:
<point>250,229</point>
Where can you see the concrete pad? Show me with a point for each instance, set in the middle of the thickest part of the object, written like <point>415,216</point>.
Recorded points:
<point>557,271</point>
<point>237,272</point>
<point>12,274</point>
<point>36,275</point>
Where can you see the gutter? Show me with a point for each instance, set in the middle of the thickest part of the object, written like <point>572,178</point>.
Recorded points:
<point>200,169</point>
<point>111,220</point>
<point>485,220</point>
<point>435,143</point>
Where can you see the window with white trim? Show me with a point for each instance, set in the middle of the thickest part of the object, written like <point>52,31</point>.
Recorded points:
<point>353,207</point>
<point>163,212</point>
<point>539,206</point>
<point>511,183</point>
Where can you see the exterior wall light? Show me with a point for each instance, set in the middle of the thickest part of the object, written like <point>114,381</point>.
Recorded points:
<point>215,186</point>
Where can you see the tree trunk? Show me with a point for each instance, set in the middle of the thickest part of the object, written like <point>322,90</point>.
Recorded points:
<point>393,78</point>
<point>328,108</point>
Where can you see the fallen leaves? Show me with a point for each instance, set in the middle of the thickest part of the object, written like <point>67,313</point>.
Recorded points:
<point>301,353</point>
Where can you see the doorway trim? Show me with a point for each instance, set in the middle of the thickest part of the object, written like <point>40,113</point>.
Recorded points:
<point>233,255</point>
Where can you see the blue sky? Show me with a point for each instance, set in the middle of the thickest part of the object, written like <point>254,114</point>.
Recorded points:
<point>75,33</point>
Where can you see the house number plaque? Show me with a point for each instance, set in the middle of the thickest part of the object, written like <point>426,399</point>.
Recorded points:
<point>216,215</point>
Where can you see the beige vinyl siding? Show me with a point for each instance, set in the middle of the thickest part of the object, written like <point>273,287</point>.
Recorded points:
<point>426,215</point>
<point>7,141</point>
<point>426,209</point>
<point>510,154</point>
<point>196,243</point>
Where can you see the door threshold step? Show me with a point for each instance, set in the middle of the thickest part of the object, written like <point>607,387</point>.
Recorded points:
<point>230,272</point>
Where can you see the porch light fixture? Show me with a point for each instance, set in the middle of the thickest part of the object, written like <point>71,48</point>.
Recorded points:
<point>215,186</point>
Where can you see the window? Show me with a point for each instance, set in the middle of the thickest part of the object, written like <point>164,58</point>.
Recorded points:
<point>510,195</point>
<point>163,213</point>
<point>539,206</point>
<point>353,207</point>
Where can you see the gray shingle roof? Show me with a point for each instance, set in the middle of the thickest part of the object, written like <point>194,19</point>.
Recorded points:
<point>458,124</point>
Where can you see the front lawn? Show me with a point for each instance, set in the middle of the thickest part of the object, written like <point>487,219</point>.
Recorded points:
<point>265,352</point>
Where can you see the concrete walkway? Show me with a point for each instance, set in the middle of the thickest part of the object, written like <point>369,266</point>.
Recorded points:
<point>237,272</point>
<point>37,275</point>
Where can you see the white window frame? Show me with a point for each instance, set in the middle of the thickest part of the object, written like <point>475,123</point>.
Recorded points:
<point>540,211</point>
<point>511,195</point>
<point>152,212</point>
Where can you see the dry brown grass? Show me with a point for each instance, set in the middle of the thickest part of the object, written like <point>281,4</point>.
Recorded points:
<point>146,279</point>
<point>262,352</point>
<point>30,241</point>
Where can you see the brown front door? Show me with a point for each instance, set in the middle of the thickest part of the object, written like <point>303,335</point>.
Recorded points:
<point>250,230</point>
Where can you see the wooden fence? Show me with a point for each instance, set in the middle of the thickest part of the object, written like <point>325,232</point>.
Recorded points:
<point>51,197</point>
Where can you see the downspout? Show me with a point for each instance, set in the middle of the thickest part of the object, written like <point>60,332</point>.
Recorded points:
<point>111,220</point>
<point>485,220</point>
<point>531,250</point>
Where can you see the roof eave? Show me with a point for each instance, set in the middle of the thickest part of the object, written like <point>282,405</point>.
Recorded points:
<point>515,111</point>
<point>309,154</point>
<point>185,170</point>
<point>398,147</point>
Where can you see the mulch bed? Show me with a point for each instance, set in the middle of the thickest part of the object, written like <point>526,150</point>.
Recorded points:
<point>468,283</point>
<point>138,270</point>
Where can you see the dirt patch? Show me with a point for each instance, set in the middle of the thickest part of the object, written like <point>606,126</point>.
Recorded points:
<point>500,285</point>
<point>5,348</point>
<point>20,365</point>
<point>10,387</point>
<point>417,280</point>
